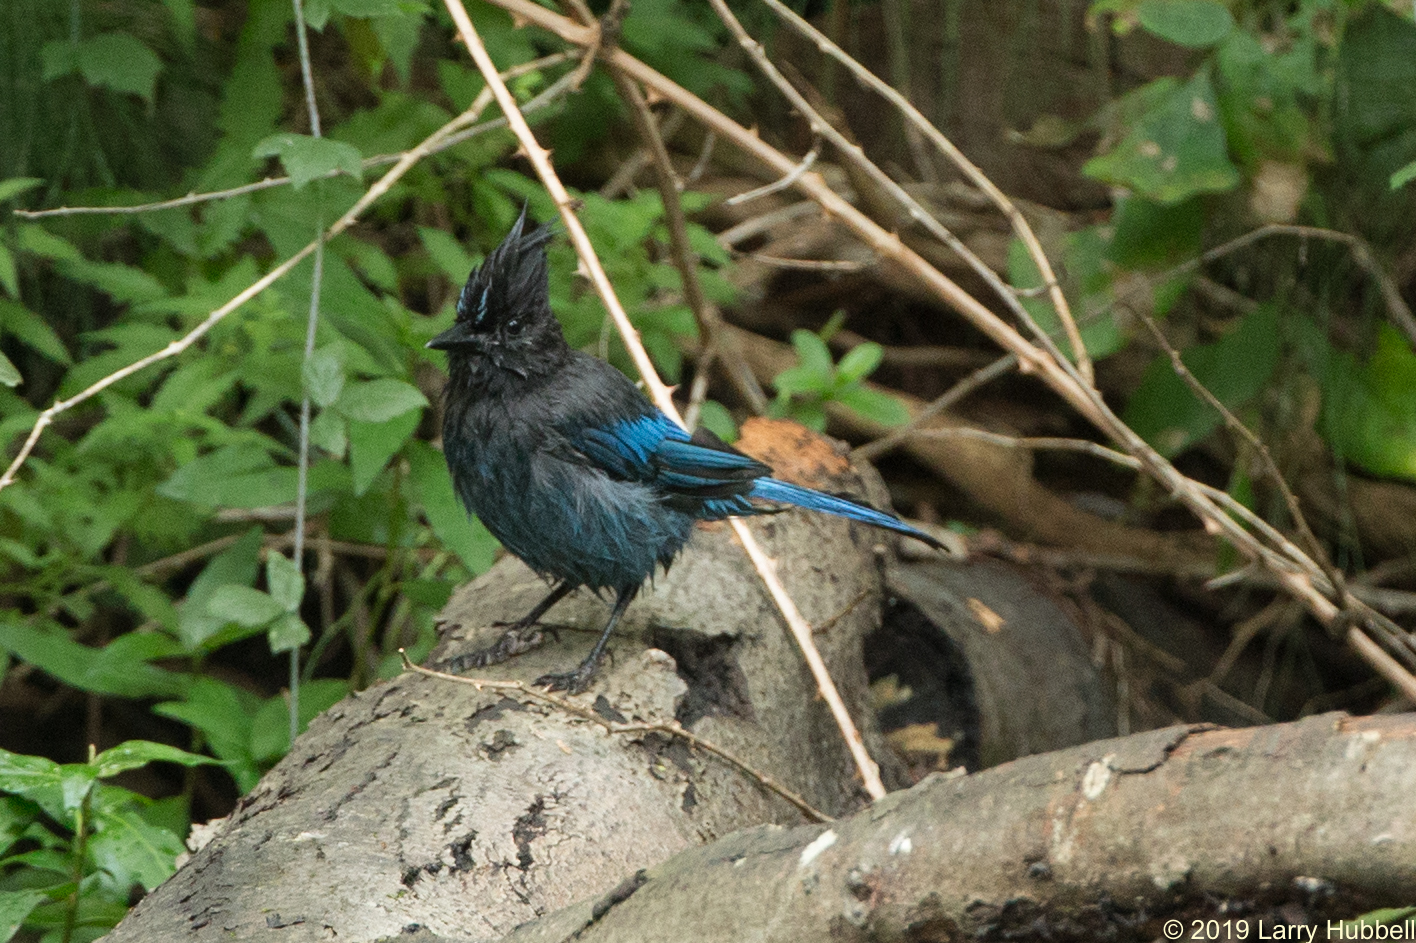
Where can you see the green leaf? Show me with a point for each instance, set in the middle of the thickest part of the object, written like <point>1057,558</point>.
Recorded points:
<point>15,906</point>
<point>1175,150</point>
<point>447,254</point>
<point>115,60</point>
<point>184,19</point>
<point>372,444</point>
<point>801,379</point>
<point>1403,176</point>
<point>1155,235</point>
<point>131,849</point>
<point>134,754</point>
<point>235,565</point>
<point>875,405</point>
<point>1168,415</point>
<point>222,713</point>
<point>285,581</point>
<point>308,158</point>
<point>1193,23</point>
<point>9,275</point>
<point>714,417</point>
<point>245,606</point>
<point>327,432</point>
<point>860,362</point>
<point>9,373</point>
<point>287,633</point>
<point>366,8</point>
<point>270,730</point>
<point>814,355</point>
<point>120,668</point>
<point>16,816</point>
<point>1368,416</point>
<point>379,400</point>
<point>323,373</point>
<point>13,187</point>
<point>24,775</point>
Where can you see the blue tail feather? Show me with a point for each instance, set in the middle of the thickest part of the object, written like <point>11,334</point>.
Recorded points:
<point>770,489</point>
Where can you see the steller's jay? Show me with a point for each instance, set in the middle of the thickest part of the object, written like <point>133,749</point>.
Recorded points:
<point>569,465</point>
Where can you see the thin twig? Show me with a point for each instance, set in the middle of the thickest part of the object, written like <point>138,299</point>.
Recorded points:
<point>1020,225</point>
<point>918,213</point>
<point>1039,443</point>
<point>672,729</point>
<point>1315,548</point>
<point>302,481</point>
<point>980,377</point>
<point>369,163</point>
<point>705,313</point>
<point>748,228</point>
<point>806,265</point>
<point>377,190</point>
<point>776,186</point>
<point>658,392</point>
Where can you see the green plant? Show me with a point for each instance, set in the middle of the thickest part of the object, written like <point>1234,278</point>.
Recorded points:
<point>804,391</point>
<point>73,847</point>
<point>144,550</point>
<point>1296,113</point>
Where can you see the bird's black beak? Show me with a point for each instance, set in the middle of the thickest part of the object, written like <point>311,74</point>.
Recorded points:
<point>455,336</point>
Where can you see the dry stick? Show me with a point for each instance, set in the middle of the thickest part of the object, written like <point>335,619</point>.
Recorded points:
<point>748,228</point>
<point>1296,575</point>
<point>958,391</point>
<point>1362,254</point>
<point>673,729</point>
<point>540,160</point>
<point>1020,225</point>
<point>368,163</point>
<point>806,265</point>
<point>302,463</point>
<point>1037,443</point>
<point>379,188</point>
<point>710,322</point>
<point>784,183</point>
<point>1315,549</point>
<point>856,155</point>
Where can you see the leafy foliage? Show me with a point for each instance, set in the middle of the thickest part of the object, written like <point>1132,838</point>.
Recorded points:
<point>143,549</point>
<point>73,847</point>
<point>1273,99</point>
<point>804,390</point>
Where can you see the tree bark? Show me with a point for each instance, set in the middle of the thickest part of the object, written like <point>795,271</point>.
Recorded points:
<point>1103,841</point>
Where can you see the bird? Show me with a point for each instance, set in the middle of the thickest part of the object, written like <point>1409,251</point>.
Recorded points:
<point>570,466</point>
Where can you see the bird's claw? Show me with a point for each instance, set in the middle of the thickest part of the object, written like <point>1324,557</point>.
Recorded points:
<point>571,682</point>
<point>517,640</point>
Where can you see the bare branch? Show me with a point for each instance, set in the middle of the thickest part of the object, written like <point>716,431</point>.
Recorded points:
<point>779,185</point>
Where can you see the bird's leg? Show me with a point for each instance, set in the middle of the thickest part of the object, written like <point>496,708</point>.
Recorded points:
<point>521,636</point>
<point>578,680</point>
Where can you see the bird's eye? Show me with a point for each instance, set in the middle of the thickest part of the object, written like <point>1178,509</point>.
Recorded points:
<point>512,324</point>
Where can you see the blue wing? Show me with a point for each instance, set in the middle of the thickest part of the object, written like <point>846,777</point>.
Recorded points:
<point>704,476</point>
<point>700,473</point>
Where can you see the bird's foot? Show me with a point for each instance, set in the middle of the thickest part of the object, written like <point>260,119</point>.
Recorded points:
<point>571,682</point>
<point>519,638</point>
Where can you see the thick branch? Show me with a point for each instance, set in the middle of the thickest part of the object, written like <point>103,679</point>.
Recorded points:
<point>1101,841</point>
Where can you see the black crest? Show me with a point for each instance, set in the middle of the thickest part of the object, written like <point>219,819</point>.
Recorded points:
<point>511,285</point>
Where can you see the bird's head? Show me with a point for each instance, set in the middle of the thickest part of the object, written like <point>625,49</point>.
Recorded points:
<point>504,317</point>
